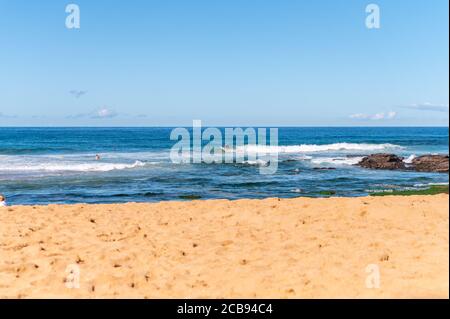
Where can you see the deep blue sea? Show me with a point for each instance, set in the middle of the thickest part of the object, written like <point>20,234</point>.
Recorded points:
<point>58,165</point>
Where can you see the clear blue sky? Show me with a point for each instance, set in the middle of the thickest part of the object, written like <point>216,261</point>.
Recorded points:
<point>227,62</point>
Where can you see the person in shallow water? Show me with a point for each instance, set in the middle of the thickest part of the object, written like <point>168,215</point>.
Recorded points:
<point>2,201</point>
<point>97,157</point>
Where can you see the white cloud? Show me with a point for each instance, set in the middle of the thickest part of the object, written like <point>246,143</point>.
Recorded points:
<point>104,113</point>
<point>359,116</point>
<point>427,107</point>
<point>374,117</point>
<point>391,115</point>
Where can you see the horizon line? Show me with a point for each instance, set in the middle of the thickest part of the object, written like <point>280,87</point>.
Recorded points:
<point>225,126</point>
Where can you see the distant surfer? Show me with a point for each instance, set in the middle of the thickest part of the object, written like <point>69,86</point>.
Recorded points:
<point>97,157</point>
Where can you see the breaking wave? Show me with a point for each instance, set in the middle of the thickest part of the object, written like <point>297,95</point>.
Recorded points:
<point>308,148</point>
<point>409,159</point>
<point>53,167</point>
<point>337,160</point>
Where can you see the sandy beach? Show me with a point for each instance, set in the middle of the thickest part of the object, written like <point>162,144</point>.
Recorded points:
<point>272,248</point>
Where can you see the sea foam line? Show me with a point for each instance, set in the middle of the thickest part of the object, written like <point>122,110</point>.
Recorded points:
<point>308,148</point>
<point>91,167</point>
<point>337,160</point>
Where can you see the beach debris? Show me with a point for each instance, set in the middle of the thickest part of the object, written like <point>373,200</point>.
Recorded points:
<point>79,260</point>
<point>291,291</point>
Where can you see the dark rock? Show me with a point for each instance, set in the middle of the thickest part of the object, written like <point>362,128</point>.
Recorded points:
<point>190,197</point>
<point>327,193</point>
<point>382,161</point>
<point>431,163</point>
<point>354,155</point>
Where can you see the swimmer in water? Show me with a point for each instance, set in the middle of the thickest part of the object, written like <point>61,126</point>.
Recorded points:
<point>97,157</point>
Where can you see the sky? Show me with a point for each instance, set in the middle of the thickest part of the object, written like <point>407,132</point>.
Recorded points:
<point>227,63</point>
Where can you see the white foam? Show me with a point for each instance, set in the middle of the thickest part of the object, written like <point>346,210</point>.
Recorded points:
<point>309,148</point>
<point>410,159</point>
<point>430,184</point>
<point>67,167</point>
<point>301,158</point>
<point>337,160</point>
<point>258,162</point>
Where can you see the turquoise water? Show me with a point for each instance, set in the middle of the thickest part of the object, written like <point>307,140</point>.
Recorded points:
<point>57,165</point>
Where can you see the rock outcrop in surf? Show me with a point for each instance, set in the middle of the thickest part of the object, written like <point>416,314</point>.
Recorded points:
<point>424,163</point>
<point>431,163</point>
<point>382,161</point>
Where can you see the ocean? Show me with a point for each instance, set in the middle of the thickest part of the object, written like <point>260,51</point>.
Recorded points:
<point>58,165</point>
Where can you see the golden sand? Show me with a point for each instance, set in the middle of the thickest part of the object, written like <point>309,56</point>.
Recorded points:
<point>288,248</point>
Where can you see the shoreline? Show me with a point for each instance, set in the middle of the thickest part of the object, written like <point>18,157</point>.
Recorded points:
<point>431,189</point>
<point>248,248</point>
